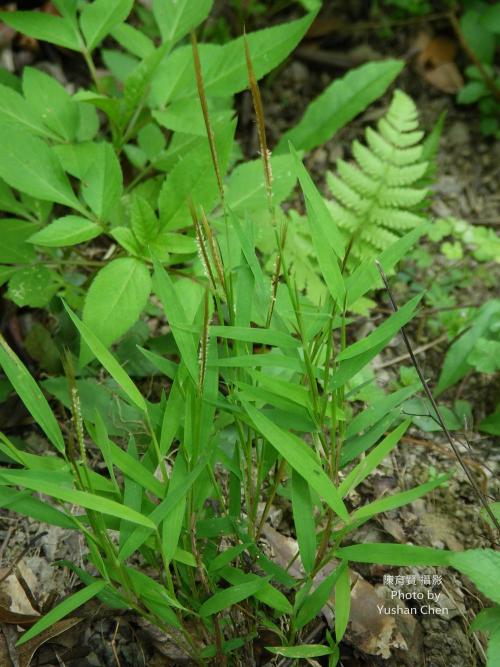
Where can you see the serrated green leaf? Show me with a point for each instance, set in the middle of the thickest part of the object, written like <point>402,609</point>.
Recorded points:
<point>29,165</point>
<point>66,231</point>
<point>14,247</point>
<point>176,18</point>
<point>98,18</point>
<point>45,27</point>
<point>338,104</point>
<point>33,287</point>
<point>102,184</point>
<point>246,189</point>
<point>51,103</point>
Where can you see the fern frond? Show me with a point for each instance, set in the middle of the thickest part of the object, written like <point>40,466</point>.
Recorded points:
<point>379,198</point>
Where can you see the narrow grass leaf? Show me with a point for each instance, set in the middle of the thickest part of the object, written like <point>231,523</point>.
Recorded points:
<point>303,517</point>
<point>305,651</point>
<point>326,237</point>
<point>35,481</point>
<point>394,554</point>
<point>301,458</point>
<point>342,602</point>
<point>267,594</point>
<point>384,332</point>
<point>312,605</point>
<point>63,609</point>
<point>224,599</point>
<point>255,335</point>
<point>161,512</point>
<point>26,504</point>
<point>398,499</point>
<point>177,318</point>
<point>374,458</point>
<point>108,361</point>
<point>30,393</point>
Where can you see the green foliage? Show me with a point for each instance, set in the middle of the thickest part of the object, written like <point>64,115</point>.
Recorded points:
<point>380,198</point>
<point>262,380</point>
<point>480,26</point>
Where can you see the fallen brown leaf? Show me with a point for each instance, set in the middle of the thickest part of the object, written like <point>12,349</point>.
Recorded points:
<point>28,650</point>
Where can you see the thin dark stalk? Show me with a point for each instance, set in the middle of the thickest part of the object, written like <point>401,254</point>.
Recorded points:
<point>432,401</point>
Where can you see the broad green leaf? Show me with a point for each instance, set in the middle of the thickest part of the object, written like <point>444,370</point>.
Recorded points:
<point>35,480</point>
<point>255,335</point>
<point>176,18</point>
<point>63,609</point>
<point>66,231</point>
<point>186,115</point>
<point>384,332</point>
<point>477,36</point>
<point>143,220</point>
<point>98,18</point>
<point>305,651</point>
<point>49,100</point>
<point>224,599</point>
<point>301,458</point>
<point>31,395</point>
<point>481,566</point>
<point>14,248</point>
<point>33,286</point>
<point>303,518</point>
<point>193,177</point>
<point>326,237</point>
<point>133,40</point>
<point>15,109</point>
<point>102,184</point>
<point>338,104</point>
<point>455,364</point>
<point>28,164</point>
<point>115,299</point>
<point>224,67</point>
<point>108,361</point>
<point>45,27</point>
<point>394,554</point>
<point>136,85</point>
<point>174,310</point>
<point>246,189</point>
